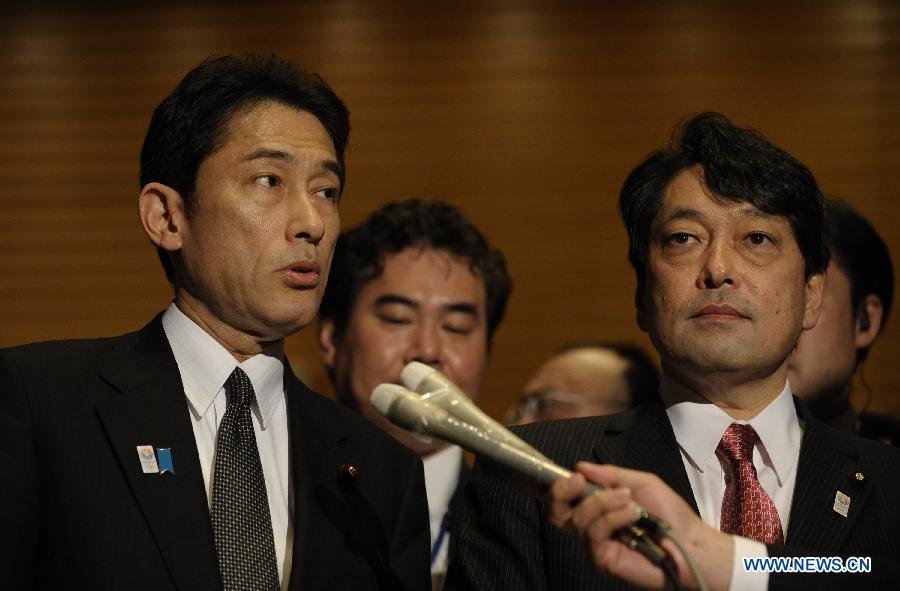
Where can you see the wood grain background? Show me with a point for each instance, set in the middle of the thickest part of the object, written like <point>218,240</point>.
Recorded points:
<point>527,114</point>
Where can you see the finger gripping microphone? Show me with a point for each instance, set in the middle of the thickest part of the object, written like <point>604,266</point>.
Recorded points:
<point>413,413</point>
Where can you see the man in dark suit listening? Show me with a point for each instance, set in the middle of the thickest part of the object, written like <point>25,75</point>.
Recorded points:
<point>187,455</point>
<point>728,240</point>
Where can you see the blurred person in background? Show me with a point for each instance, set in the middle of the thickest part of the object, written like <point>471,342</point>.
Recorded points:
<point>859,289</point>
<point>416,281</point>
<point>587,379</point>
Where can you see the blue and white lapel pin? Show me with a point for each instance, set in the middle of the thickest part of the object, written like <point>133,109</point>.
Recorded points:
<point>155,460</point>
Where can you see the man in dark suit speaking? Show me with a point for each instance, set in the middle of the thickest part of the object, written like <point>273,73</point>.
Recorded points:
<point>729,244</point>
<point>187,455</point>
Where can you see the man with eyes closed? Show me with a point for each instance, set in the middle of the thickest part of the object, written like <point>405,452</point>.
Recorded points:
<point>414,282</point>
<point>187,455</point>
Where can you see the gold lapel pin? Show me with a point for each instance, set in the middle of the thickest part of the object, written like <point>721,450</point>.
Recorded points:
<point>347,474</point>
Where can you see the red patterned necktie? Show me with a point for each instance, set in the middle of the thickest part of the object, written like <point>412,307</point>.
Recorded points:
<point>747,510</point>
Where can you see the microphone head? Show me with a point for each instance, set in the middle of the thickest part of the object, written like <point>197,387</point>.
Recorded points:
<point>414,373</point>
<point>384,396</point>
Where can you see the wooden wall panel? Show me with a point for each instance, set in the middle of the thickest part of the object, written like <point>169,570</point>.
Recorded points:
<point>527,114</point>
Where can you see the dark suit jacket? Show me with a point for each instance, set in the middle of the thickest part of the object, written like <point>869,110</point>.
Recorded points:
<point>454,506</point>
<point>77,512</point>
<point>504,540</point>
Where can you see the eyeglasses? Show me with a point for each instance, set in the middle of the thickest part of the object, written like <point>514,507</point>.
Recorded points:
<point>540,403</point>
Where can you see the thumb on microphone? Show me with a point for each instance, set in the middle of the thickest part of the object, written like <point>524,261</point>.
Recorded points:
<point>597,518</point>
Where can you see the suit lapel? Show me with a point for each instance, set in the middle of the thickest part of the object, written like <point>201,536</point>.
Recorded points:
<point>644,440</point>
<point>324,497</point>
<point>151,409</point>
<point>828,464</point>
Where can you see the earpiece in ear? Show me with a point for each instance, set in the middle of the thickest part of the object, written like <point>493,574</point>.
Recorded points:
<point>863,319</point>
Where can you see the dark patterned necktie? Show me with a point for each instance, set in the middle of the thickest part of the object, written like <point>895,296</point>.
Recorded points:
<point>242,525</point>
<point>747,510</point>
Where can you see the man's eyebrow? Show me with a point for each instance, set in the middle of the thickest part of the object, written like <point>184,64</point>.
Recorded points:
<point>470,309</point>
<point>686,213</point>
<point>460,307</point>
<point>270,153</point>
<point>335,167</point>
<point>288,158</point>
<point>753,212</point>
<point>683,213</point>
<point>395,299</point>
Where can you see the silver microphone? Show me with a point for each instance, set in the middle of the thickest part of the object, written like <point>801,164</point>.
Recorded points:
<point>412,412</point>
<point>438,390</point>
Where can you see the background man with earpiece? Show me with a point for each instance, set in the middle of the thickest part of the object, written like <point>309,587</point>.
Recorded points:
<point>859,290</point>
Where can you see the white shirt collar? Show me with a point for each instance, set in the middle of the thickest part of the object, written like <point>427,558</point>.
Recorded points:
<point>441,477</point>
<point>205,365</point>
<point>699,427</point>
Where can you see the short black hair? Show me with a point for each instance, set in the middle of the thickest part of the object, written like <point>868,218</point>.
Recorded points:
<point>860,252</point>
<point>642,375</point>
<point>739,165</point>
<point>190,124</point>
<point>413,223</point>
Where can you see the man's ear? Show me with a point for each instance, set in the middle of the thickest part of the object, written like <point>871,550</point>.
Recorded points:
<point>868,320</point>
<point>162,214</point>
<point>327,342</point>
<point>815,287</point>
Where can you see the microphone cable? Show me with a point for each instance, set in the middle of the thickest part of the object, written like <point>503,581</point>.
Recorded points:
<point>657,529</point>
<point>695,570</point>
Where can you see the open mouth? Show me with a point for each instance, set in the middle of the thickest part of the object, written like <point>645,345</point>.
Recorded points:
<point>302,274</point>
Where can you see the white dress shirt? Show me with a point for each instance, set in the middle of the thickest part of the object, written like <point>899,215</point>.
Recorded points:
<point>441,478</point>
<point>699,427</point>
<point>205,365</point>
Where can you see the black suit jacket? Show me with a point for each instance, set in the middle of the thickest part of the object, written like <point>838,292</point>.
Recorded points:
<point>455,504</point>
<point>77,512</point>
<point>504,540</point>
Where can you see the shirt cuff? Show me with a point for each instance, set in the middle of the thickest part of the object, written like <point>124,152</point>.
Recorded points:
<point>741,580</point>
